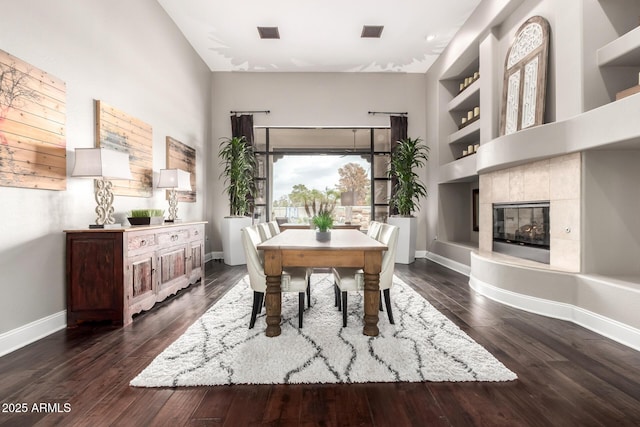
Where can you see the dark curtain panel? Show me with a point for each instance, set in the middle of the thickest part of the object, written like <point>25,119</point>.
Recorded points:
<point>398,132</point>
<point>242,126</point>
<point>398,129</point>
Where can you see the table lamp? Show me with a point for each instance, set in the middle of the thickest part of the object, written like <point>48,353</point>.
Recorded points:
<point>174,180</point>
<point>347,199</point>
<point>103,165</point>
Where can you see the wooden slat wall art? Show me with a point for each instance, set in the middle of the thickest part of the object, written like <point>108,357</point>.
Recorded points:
<point>181,156</point>
<point>33,143</point>
<point>121,132</point>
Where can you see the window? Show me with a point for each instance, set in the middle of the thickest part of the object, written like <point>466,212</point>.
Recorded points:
<point>282,153</point>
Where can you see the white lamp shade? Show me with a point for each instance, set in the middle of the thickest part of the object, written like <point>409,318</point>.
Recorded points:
<point>175,178</point>
<point>101,163</point>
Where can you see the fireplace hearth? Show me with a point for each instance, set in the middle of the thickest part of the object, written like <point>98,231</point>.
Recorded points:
<point>522,230</point>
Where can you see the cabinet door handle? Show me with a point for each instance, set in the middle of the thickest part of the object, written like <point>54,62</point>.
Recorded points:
<point>197,232</point>
<point>143,242</point>
<point>174,238</point>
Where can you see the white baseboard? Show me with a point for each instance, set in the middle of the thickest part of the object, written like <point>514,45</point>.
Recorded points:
<point>607,327</point>
<point>26,334</point>
<point>449,263</point>
<point>213,255</point>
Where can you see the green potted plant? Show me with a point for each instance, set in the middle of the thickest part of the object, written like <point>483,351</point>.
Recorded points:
<point>239,164</point>
<point>408,156</point>
<point>323,221</point>
<point>146,216</point>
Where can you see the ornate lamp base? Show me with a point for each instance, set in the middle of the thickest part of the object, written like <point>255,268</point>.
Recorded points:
<point>173,205</point>
<point>104,199</point>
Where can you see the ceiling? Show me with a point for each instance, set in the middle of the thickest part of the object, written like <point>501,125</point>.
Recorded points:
<point>319,36</point>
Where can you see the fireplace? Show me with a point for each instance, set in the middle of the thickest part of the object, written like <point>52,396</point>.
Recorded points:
<point>522,230</point>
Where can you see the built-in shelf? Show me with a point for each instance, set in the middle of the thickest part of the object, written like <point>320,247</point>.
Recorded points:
<point>468,134</point>
<point>580,133</point>
<point>467,99</point>
<point>460,170</point>
<point>623,51</point>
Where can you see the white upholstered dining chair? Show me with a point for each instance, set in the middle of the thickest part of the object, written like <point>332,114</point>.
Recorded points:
<point>293,279</point>
<point>352,279</point>
<point>264,230</point>
<point>274,227</point>
<point>374,229</point>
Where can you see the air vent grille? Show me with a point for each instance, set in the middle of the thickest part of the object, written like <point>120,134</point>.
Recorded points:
<point>269,32</point>
<point>372,31</point>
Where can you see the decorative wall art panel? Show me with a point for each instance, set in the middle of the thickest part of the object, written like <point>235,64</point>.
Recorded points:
<point>32,126</point>
<point>525,77</point>
<point>119,131</point>
<point>181,156</point>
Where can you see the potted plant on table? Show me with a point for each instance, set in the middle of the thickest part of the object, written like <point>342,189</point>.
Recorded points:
<point>323,222</point>
<point>408,189</point>
<point>239,165</point>
<point>146,216</point>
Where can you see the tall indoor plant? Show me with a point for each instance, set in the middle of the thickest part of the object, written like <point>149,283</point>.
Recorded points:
<point>239,164</point>
<point>408,156</point>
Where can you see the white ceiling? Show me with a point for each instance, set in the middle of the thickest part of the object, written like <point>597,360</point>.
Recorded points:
<point>320,36</point>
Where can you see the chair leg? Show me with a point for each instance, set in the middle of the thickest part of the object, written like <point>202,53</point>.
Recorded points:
<point>336,295</point>
<point>257,307</point>
<point>300,308</point>
<point>309,291</point>
<point>387,303</point>
<point>380,302</point>
<point>344,309</point>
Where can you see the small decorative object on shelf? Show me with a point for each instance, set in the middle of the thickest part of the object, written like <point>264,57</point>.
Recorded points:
<point>468,81</point>
<point>471,149</point>
<point>472,116</point>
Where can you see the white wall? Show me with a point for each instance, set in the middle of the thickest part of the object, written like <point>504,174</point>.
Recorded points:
<point>312,99</point>
<point>130,55</point>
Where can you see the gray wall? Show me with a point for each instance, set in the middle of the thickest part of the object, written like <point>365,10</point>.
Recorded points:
<point>311,99</point>
<point>130,55</point>
<point>611,223</point>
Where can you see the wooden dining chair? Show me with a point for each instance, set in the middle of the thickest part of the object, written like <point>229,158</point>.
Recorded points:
<point>292,280</point>
<point>352,279</point>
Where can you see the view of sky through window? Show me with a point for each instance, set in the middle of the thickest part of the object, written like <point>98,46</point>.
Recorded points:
<point>314,171</point>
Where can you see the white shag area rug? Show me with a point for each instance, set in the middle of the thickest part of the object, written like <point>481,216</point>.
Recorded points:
<point>423,345</point>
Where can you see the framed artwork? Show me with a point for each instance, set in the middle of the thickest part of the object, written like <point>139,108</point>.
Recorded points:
<point>475,204</point>
<point>33,145</point>
<point>119,131</point>
<point>525,77</point>
<point>181,156</point>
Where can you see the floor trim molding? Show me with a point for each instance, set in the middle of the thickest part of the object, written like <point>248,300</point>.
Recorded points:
<point>449,263</point>
<point>24,335</point>
<point>602,325</point>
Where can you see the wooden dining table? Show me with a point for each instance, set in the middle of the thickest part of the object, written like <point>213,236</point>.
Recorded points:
<point>293,226</point>
<point>299,248</point>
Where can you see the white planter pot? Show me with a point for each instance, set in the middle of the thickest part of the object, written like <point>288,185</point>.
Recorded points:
<point>408,228</point>
<point>232,249</point>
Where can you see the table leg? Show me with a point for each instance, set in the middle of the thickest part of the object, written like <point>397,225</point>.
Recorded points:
<point>373,261</point>
<point>273,302</point>
<point>273,294</point>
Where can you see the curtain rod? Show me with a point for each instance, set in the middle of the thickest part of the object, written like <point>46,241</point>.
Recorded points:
<point>389,112</point>
<point>251,111</point>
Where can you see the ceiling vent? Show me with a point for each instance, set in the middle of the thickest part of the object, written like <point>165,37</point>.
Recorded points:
<point>372,31</point>
<point>269,32</point>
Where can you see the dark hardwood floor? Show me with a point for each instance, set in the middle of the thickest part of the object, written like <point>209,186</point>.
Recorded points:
<point>568,376</point>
